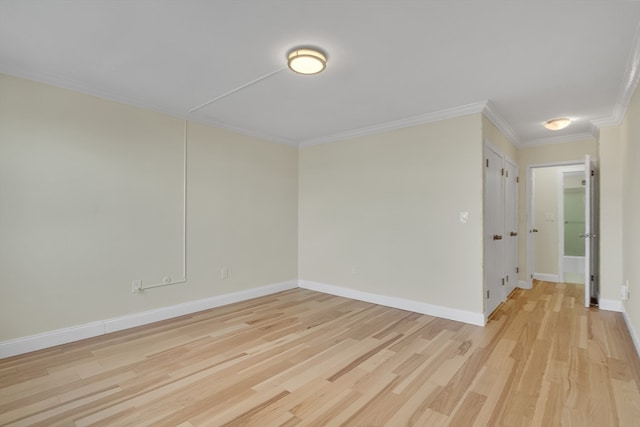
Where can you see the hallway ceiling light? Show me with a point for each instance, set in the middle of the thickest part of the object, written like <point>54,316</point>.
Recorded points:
<point>557,124</point>
<point>306,61</point>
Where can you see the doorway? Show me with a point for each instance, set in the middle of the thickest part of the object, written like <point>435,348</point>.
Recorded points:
<point>561,221</point>
<point>572,267</point>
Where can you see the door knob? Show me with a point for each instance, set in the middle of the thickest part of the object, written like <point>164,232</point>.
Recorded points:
<point>513,233</point>
<point>535,230</point>
<point>497,237</point>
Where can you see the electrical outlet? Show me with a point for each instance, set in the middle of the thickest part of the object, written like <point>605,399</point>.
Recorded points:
<point>224,273</point>
<point>628,294</point>
<point>136,286</point>
<point>624,291</point>
<point>354,269</point>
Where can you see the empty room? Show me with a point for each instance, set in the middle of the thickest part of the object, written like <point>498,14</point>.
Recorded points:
<point>319,213</point>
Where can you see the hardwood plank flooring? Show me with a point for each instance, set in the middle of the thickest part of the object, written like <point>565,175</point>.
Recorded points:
<point>302,358</point>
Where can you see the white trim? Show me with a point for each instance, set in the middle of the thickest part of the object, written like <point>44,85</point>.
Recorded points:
<point>435,116</point>
<point>547,277</point>
<point>75,333</point>
<point>632,330</point>
<point>611,305</point>
<point>395,302</point>
<point>523,284</point>
<point>561,139</point>
<point>492,114</point>
<point>199,118</point>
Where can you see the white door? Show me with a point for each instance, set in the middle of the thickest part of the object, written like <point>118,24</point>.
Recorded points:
<point>493,231</point>
<point>510,226</point>
<point>591,252</point>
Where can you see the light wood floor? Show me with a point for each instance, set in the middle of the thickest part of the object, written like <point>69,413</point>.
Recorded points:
<point>305,358</point>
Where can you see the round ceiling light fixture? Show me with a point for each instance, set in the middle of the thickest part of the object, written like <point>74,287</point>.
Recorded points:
<point>557,124</point>
<point>306,61</point>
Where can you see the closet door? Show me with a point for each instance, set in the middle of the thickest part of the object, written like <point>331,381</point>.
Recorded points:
<point>510,226</point>
<point>493,230</point>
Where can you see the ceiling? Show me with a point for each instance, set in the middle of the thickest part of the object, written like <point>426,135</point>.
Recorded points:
<point>390,63</point>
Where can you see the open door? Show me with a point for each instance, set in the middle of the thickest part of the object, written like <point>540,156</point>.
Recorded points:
<point>591,247</point>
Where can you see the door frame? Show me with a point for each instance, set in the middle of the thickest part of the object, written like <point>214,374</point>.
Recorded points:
<point>578,169</point>
<point>529,210</point>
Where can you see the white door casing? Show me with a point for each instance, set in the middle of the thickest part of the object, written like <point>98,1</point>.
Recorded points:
<point>591,253</point>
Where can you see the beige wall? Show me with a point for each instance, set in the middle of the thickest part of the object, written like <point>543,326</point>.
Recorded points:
<point>389,206</point>
<point>91,198</point>
<point>543,154</point>
<point>610,157</point>
<point>630,154</point>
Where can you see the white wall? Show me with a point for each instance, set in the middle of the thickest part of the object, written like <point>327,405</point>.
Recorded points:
<point>91,198</point>
<point>389,206</point>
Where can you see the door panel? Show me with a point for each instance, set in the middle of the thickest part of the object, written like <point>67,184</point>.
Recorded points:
<point>493,230</point>
<point>510,227</point>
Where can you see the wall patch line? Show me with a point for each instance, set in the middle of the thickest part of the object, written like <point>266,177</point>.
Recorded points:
<point>137,285</point>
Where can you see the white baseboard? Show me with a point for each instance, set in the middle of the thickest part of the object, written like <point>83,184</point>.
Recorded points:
<point>547,277</point>
<point>610,305</point>
<point>632,330</point>
<point>75,333</point>
<point>524,284</point>
<point>395,302</point>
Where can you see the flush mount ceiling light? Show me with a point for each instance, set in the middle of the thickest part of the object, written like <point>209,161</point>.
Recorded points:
<point>306,61</point>
<point>557,124</point>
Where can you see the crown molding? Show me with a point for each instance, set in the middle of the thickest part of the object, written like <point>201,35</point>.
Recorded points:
<point>490,111</point>
<point>69,84</point>
<point>435,116</point>
<point>558,139</point>
<point>75,86</point>
<point>246,132</point>
<point>627,87</point>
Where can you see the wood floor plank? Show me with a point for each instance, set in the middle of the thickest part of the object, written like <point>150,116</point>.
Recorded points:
<point>302,358</point>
